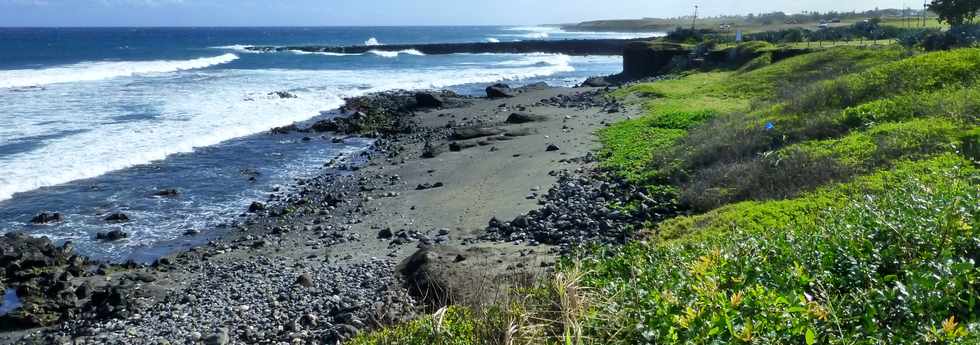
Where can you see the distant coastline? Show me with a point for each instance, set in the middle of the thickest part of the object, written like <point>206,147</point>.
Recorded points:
<point>568,47</point>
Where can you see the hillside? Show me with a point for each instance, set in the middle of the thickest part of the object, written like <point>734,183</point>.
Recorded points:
<point>828,198</point>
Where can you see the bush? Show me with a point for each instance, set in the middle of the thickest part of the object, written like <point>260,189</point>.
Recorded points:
<point>933,39</point>
<point>889,258</point>
<point>687,35</point>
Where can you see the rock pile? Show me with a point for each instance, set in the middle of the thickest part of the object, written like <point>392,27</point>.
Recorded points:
<point>260,301</point>
<point>577,211</point>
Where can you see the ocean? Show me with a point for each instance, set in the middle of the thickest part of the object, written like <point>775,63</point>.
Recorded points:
<point>94,121</point>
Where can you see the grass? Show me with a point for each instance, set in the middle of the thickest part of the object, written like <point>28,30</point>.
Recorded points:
<point>671,107</point>
<point>814,255</point>
<point>548,313</point>
<point>923,73</point>
<point>955,104</point>
<point>832,199</point>
<point>821,65</point>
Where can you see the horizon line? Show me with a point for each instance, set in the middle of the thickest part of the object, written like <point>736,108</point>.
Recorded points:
<point>265,26</point>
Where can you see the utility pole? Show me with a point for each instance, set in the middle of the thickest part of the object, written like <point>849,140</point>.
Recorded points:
<point>925,8</point>
<point>694,22</point>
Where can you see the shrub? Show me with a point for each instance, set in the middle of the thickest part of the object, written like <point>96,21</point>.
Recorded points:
<point>687,35</point>
<point>889,258</point>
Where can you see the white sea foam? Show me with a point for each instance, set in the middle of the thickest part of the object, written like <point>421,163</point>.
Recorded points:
<point>300,52</point>
<point>92,71</point>
<point>394,54</point>
<point>239,48</point>
<point>493,40</point>
<point>197,109</point>
<point>543,32</point>
<point>372,42</point>
<point>537,60</point>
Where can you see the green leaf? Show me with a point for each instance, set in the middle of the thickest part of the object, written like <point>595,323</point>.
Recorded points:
<point>811,336</point>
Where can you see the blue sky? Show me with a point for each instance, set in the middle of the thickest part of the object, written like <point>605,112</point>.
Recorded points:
<point>382,12</point>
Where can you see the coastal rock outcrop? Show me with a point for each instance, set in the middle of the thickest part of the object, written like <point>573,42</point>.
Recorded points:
<point>429,100</point>
<point>167,193</point>
<point>46,218</point>
<point>517,118</point>
<point>118,217</point>
<point>596,82</point>
<point>43,278</point>
<point>499,91</point>
<point>649,59</point>
<point>112,236</point>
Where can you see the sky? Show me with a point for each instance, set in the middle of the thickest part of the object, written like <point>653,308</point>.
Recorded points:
<point>386,12</point>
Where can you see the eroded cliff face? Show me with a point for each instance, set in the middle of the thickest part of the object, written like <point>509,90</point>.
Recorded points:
<point>648,59</point>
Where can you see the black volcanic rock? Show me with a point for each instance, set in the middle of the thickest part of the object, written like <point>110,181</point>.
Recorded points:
<point>111,236</point>
<point>429,100</point>
<point>256,207</point>
<point>117,218</point>
<point>499,91</point>
<point>596,82</point>
<point>517,118</point>
<point>167,193</point>
<point>45,218</point>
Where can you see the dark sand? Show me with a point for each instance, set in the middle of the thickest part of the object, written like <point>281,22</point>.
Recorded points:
<point>245,286</point>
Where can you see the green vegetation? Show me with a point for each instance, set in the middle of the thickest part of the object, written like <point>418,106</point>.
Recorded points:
<point>850,218</point>
<point>671,108</point>
<point>955,12</point>
<point>820,65</point>
<point>927,72</point>
<point>773,21</point>
<point>833,197</point>
<point>885,259</point>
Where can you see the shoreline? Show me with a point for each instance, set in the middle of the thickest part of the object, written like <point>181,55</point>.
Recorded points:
<point>363,221</point>
<point>575,47</point>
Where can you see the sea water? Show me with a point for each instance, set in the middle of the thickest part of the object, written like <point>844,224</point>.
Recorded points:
<point>97,120</point>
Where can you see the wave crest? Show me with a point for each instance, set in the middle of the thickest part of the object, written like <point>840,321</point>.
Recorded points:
<point>93,71</point>
<point>393,54</point>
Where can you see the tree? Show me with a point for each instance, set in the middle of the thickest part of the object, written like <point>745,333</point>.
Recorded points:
<point>955,12</point>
